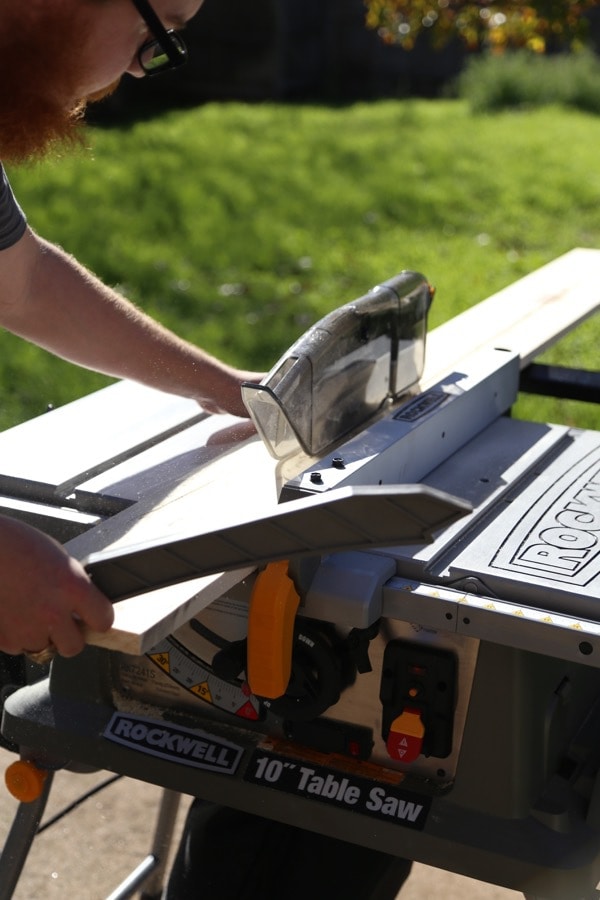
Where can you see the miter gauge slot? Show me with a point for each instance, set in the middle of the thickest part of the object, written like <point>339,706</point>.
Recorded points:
<point>349,518</point>
<point>88,502</point>
<point>130,452</point>
<point>61,515</point>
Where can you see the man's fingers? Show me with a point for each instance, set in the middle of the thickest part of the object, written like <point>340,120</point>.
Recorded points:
<point>95,610</point>
<point>67,638</point>
<point>90,605</point>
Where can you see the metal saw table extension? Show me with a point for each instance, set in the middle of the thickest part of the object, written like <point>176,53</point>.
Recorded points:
<point>376,619</point>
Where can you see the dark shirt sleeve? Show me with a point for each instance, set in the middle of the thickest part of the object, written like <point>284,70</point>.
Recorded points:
<point>12,218</point>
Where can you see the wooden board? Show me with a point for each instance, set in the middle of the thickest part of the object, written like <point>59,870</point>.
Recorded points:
<point>525,317</point>
<point>244,478</point>
<point>108,423</point>
<point>141,622</point>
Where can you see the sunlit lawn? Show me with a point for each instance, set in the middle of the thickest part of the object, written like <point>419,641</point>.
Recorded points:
<point>238,226</point>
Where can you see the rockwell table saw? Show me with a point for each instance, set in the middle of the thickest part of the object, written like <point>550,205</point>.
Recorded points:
<point>376,620</point>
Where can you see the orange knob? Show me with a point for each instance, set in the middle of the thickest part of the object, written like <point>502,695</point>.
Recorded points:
<point>25,781</point>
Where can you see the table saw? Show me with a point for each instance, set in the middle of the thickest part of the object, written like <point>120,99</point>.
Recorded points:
<point>376,619</point>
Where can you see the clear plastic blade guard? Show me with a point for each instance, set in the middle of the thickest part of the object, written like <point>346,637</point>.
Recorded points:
<point>341,372</point>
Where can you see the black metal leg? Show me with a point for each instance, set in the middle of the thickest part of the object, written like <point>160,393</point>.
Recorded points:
<point>19,840</point>
<point>150,873</point>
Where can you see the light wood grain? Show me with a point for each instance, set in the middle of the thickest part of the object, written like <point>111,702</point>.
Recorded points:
<point>527,317</point>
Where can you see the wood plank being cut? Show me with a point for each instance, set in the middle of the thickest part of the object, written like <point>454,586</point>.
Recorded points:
<point>243,479</point>
<point>526,317</point>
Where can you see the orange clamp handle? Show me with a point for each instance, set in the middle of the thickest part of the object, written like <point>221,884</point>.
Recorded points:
<point>271,617</point>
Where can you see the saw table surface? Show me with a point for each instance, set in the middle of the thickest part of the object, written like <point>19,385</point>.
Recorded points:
<point>175,465</point>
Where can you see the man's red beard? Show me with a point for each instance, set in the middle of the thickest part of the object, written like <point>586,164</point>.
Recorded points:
<point>42,66</point>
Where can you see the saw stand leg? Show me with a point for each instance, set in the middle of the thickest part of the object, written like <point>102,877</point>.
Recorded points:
<point>151,871</point>
<point>19,840</point>
<point>149,874</point>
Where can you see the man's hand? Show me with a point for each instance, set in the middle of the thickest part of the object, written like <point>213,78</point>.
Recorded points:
<point>225,390</point>
<point>46,597</point>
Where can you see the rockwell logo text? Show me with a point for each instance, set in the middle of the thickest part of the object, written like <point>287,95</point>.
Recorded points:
<point>340,789</point>
<point>564,543</point>
<point>182,745</point>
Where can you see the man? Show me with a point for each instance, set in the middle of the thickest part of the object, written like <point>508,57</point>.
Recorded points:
<point>54,55</point>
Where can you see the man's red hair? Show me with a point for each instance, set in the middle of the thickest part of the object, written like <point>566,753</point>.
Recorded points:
<point>42,63</point>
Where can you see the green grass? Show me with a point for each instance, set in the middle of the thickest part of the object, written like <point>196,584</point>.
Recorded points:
<point>238,226</point>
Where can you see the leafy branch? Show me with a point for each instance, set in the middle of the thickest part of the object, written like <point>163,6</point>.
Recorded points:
<point>538,25</point>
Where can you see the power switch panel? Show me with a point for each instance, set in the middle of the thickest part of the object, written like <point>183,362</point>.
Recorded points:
<point>418,696</point>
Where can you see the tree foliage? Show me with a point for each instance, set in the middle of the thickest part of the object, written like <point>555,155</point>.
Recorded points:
<point>537,24</point>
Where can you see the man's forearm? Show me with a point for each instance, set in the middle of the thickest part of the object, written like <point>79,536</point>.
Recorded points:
<point>68,311</point>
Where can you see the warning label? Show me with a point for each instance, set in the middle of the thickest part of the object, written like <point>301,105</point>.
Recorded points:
<point>339,789</point>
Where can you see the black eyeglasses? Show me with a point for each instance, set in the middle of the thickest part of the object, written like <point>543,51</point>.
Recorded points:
<point>166,50</point>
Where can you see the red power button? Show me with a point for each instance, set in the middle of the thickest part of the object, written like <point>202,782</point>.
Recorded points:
<point>405,739</point>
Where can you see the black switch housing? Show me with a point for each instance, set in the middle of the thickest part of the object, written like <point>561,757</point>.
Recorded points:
<point>420,677</point>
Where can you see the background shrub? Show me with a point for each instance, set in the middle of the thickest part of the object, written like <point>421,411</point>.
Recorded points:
<point>525,79</point>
